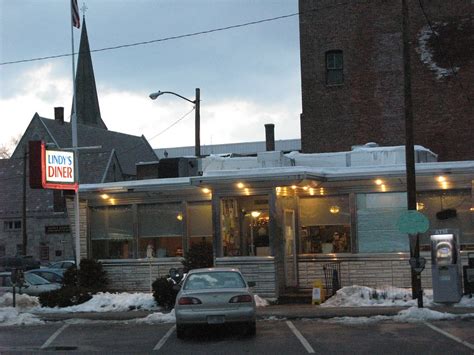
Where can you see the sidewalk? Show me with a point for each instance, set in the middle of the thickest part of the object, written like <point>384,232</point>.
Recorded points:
<point>287,311</point>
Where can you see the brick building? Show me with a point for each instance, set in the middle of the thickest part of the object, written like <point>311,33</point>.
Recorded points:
<point>353,77</point>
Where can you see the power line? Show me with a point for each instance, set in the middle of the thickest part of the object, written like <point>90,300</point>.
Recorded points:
<point>193,34</point>
<point>173,124</point>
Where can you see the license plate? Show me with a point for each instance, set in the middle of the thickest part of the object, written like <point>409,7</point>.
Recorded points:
<point>215,319</point>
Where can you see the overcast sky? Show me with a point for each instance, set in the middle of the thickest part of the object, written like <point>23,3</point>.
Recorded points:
<point>248,76</point>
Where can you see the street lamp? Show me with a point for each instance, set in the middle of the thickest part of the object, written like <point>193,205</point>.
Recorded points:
<point>196,102</point>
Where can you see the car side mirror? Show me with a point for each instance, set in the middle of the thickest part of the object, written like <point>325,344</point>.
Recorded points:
<point>251,283</point>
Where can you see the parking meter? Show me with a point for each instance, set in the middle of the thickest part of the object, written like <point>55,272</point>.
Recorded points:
<point>446,267</point>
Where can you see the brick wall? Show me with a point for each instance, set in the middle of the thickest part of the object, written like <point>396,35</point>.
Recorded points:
<point>369,106</point>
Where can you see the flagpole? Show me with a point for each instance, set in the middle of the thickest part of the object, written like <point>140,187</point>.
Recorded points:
<point>76,151</point>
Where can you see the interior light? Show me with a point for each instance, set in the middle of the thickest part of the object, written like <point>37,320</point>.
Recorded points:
<point>179,217</point>
<point>255,214</point>
<point>441,179</point>
<point>112,201</point>
<point>247,191</point>
<point>104,196</point>
<point>378,182</point>
<point>311,191</point>
<point>278,189</point>
<point>383,187</point>
<point>444,185</point>
<point>334,209</point>
<point>206,190</point>
<point>240,185</point>
<point>293,187</point>
<point>306,188</point>
<point>471,209</point>
<point>420,206</point>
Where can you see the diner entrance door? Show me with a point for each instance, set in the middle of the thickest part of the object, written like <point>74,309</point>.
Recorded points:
<point>291,277</point>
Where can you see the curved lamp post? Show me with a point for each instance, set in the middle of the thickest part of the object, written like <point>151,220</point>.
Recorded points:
<point>196,102</point>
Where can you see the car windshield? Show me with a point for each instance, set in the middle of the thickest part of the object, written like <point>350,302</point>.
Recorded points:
<point>214,279</point>
<point>35,279</point>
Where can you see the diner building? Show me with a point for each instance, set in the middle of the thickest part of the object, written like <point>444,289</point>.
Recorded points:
<point>278,217</point>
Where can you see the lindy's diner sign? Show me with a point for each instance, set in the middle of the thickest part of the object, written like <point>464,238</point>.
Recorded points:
<point>51,168</point>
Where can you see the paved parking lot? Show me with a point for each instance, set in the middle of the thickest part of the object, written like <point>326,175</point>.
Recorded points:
<point>273,337</point>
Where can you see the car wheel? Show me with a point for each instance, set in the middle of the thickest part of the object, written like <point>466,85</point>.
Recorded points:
<point>180,331</point>
<point>252,329</point>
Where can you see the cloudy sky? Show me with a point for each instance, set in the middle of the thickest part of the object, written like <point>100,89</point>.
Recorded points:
<point>248,76</point>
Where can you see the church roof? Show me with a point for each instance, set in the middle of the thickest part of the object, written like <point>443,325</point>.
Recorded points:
<point>129,149</point>
<point>87,101</point>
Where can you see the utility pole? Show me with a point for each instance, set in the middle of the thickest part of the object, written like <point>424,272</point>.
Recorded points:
<point>23,209</point>
<point>197,123</point>
<point>410,151</point>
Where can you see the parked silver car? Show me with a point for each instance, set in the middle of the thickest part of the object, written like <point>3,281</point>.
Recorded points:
<point>50,274</point>
<point>214,296</point>
<point>34,285</point>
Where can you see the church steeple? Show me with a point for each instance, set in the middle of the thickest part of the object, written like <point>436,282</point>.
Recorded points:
<point>88,111</point>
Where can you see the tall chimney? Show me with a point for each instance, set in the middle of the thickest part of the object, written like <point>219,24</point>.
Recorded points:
<point>270,137</point>
<point>59,114</point>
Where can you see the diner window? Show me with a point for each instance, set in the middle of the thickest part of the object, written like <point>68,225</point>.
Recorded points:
<point>334,68</point>
<point>244,226</point>
<point>377,217</point>
<point>433,203</point>
<point>199,223</point>
<point>160,229</point>
<point>111,230</point>
<point>325,225</point>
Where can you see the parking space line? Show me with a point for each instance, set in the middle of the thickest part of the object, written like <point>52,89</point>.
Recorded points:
<point>300,337</point>
<point>450,336</point>
<point>54,336</point>
<point>164,339</point>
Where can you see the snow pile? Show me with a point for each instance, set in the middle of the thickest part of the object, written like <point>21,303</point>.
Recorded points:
<point>260,302</point>
<point>358,320</point>
<point>415,314</point>
<point>10,316</point>
<point>158,317</point>
<point>108,302</point>
<point>21,301</point>
<point>466,301</point>
<point>362,296</point>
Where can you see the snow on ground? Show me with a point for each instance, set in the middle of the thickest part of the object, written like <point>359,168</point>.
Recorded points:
<point>21,301</point>
<point>108,302</point>
<point>385,296</point>
<point>260,302</point>
<point>158,317</point>
<point>10,316</point>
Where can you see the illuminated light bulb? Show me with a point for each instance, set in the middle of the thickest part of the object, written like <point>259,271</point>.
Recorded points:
<point>293,187</point>
<point>278,189</point>
<point>179,217</point>
<point>334,209</point>
<point>378,182</point>
<point>240,185</point>
<point>247,191</point>
<point>441,179</point>
<point>420,206</point>
<point>306,188</point>
<point>311,191</point>
<point>444,185</point>
<point>112,201</point>
<point>255,214</point>
<point>206,190</point>
<point>383,187</point>
<point>104,196</point>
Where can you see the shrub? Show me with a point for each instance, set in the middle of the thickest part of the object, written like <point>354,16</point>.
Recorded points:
<point>92,276</point>
<point>65,297</point>
<point>199,255</point>
<point>164,292</point>
<point>78,285</point>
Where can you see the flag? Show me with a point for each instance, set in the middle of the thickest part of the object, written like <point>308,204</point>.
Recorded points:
<point>76,21</point>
